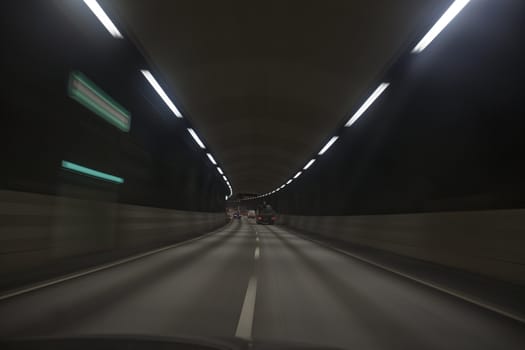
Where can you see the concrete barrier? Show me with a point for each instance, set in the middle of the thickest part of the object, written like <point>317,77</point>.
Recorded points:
<point>491,243</point>
<point>40,230</point>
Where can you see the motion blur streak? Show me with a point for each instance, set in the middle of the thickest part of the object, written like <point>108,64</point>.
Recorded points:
<point>90,172</point>
<point>212,160</point>
<point>309,164</point>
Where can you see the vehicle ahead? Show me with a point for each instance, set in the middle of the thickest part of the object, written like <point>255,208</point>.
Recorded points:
<point>251,214</point>
<point>266,216</point>
<point>236,215</point>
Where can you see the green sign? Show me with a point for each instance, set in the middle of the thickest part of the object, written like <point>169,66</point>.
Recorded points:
<point>92,97</point>
<point>91,172</point>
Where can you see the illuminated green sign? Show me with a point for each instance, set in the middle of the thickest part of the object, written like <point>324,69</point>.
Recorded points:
<point>90,172</point>
<point>92,97</point>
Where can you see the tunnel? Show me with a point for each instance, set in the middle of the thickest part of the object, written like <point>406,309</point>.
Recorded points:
<point>262,174</point>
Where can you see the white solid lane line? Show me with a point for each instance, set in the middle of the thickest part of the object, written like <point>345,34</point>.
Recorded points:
<point>469,299</point>
<point>256,254</point>
<point>103,267</point>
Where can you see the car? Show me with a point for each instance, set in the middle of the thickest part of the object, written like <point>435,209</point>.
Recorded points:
<point>251,214</point>
<point>266,216</point>
<point>236,215</point>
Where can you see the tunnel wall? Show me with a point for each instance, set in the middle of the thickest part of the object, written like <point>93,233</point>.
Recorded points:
<point>41,125</point>
<point>434,168</point>
<point>44,235</point>
<point>53,220</point>
<point>484,242</point>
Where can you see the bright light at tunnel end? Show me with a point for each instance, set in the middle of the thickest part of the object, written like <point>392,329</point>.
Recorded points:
<point>377,92</point>
<point>103,18</point>
<point>153,82</point>
<point>442,22</point>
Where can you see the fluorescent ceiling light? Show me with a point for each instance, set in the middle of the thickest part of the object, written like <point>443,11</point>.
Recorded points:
<point>282,186</point>
<point>103,18</point>
<point>367,103</point>
<point>91,172</point>
<point>447,17</point>
<point>289,181</point>
<point>220,171</point>
<point>297,175</point>
<point>225,179</point>
<point>309,164</point>
<point>161,92</point>
<point>212,160</point>
<point>328,145</point>
<point>196,138</point>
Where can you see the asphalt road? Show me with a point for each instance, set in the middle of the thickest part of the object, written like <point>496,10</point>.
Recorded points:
<point>262,282</point>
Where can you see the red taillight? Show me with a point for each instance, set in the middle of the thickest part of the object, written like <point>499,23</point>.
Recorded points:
<point>259,218</point>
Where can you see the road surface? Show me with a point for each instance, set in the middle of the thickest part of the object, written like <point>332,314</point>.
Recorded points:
<point>260,282</point>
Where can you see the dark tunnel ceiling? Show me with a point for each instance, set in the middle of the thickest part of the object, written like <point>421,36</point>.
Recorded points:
<point>266,82</point>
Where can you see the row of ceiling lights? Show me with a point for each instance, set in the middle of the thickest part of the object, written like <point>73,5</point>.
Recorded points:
<point>454,9</point>
<point>113,30</point>
<point>443,21</point>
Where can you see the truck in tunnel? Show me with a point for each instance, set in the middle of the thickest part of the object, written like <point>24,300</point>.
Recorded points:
<point>138,137</point>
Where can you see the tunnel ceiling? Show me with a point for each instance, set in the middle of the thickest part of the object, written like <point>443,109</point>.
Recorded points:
<point>266,82</point>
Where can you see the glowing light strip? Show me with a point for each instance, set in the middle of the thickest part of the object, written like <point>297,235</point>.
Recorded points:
<point>149,77</point>
<point>328,145</point>
<point>212,160</point>
<point>442,22</point>
<point>367,103</point>
<point>103,18</point>
<point>196,138</point>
